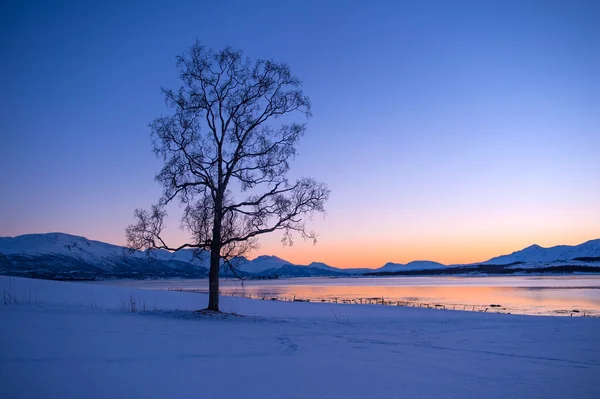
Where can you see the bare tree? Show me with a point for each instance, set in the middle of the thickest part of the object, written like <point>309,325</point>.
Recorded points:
<point>224,138</point>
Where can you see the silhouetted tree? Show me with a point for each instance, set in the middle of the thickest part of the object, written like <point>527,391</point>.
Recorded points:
<point>223,138</point>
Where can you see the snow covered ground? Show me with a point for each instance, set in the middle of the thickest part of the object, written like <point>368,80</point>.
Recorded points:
<point>72,340</point>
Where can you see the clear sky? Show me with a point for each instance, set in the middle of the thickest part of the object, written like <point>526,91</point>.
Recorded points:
<point>449,131</point>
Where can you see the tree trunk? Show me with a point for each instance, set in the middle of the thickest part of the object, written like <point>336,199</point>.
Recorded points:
<point>215,258</point>
<point>213,278</point>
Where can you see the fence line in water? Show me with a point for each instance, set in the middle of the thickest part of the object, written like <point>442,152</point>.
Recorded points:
<point>493,308</point>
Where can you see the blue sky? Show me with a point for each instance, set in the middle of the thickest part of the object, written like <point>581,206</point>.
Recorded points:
<point>450,131</point>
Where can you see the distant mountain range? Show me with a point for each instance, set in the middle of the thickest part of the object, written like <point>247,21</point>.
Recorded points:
<point>67,257</point>
<point>535,254</point>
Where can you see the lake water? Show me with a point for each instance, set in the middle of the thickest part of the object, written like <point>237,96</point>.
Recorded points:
<point>535,295</point>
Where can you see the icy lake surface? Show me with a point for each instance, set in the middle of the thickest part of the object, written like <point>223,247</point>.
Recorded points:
<point>537,295</point>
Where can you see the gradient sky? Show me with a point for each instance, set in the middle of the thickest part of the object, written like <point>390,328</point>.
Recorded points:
<point>447,130</point>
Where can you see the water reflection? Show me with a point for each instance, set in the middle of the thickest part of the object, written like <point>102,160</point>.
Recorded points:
<point>514,294</point>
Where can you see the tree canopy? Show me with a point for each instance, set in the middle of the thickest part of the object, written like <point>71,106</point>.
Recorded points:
<point>227,150</point>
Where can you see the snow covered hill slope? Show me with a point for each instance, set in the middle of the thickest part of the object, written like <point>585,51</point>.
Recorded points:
<point>64,256</point>
<point>60,244</point>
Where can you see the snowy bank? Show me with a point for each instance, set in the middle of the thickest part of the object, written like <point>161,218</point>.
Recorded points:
<point>73,340</point>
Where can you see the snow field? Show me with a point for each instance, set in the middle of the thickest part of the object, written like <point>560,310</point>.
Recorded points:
<point>74,340</point>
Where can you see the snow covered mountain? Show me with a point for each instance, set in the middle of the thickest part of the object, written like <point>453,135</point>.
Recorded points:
<point>268,265</point>
<point>64,256</point>
<point>262,263</point>
<point>59,244</point>
<point>323,266</point>
<point>535,255</point>
<point>415,265</point>
<point>290,270</point>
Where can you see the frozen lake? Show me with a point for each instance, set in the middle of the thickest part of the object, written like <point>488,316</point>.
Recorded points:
<point>540,295</point>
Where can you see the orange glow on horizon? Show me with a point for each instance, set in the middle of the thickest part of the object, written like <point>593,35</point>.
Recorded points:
<point>447,252</point>
<point>461,238</point>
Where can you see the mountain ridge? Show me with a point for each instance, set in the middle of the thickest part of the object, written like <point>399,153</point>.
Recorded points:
<point>539,254</point>
<point>65,256</point>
